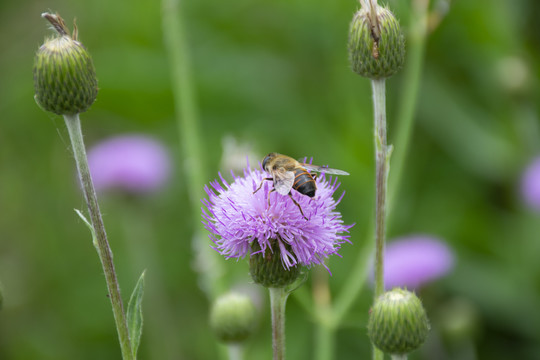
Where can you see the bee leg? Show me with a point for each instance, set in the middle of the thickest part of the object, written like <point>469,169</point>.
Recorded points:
<point>299,207</point>
<point>314,176</point>
<point>271,191</point>
<point>262,184</point>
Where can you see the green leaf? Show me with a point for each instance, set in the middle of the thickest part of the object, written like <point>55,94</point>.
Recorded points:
<point>135,315</point>
<point>92,231</point>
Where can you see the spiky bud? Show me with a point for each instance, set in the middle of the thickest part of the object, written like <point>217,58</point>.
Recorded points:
<point>376,44</point>
<point>398,323</point>
<point>65,81</point>
<point>232,318</point>
<point>266,268</point>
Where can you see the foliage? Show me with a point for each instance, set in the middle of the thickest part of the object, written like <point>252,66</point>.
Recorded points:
<point>274,74</point>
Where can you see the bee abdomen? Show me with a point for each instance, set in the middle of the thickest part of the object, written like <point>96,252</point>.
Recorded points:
<point>304,183</point>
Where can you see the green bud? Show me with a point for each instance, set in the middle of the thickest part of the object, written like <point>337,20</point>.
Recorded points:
<point>376,44</point>
<point>266,268</point>
<point>232,317</point>
<point>398,323</point>
<point>65,80</point>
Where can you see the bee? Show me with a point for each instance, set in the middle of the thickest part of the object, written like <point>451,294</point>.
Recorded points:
<point>288,174</point>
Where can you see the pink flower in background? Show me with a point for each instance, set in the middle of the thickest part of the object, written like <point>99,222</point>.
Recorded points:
<point>530,184</point>
<point>133,163</point>
<point>413,261</point>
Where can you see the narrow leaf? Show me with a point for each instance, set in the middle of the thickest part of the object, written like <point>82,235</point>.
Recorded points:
<point>135,315</point>
<point>92,231</point>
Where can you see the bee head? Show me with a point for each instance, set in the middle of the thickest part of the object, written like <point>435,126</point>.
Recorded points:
<point>266,159</point>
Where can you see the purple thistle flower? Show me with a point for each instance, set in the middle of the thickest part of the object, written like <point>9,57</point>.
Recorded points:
<point>530,185</point>
<point>416,260</point>
<point>236,218</point>
<point>134,163</point>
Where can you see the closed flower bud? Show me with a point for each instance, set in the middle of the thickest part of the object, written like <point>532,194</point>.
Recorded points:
<point>266,267</point>
<point>232,318</point>
<point>398,323</point>
<point>65,80</point>
<point>376,44</point>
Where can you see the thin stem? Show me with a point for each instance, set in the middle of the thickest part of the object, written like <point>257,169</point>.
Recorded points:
<point>235,351</point>
<point>416,42</point>
<point>356,280</point>
<point>355,283</point>
<point>324,333</point>
<point>184,98</point>
<point>381,177</point>
<point>278,299</point>
<point>160,323</point>
<point>399,357</point>
<point>416,46</point>
<point>324,342</point>
<point>187,120</point>
<point>102,245</point>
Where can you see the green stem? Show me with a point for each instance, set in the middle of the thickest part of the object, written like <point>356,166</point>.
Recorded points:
<point>355,283</point>
<point>160,323</point>
<point>235,351</point>
<point>325,336</point>
<point>416,42</point>
<point>102,245</point>
<point>416,46</point>
<point>278,299</point>
<point>324,333</point>
<point>186,117</point>
<point>399,357</point>
<point>381,178</point>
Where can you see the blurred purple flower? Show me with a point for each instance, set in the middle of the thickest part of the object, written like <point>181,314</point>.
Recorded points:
<point>236,218</point>
<point>530,184</point>
<point>416,260</point>
<point>133,163</point>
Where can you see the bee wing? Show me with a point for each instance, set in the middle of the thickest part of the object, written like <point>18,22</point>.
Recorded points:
<point>324,169</point>
<point>283,181</point>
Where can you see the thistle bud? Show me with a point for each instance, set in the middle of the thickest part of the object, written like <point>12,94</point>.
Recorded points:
<point>65,80</point>
<point>232,318</point>
<point>398,323</point>
<point>376,44</point>
<point>266,267</point>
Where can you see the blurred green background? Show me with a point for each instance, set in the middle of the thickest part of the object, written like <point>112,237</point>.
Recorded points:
<point>273,75</point>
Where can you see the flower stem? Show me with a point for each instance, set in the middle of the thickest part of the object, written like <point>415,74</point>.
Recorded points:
<point>278,299</point>
<point>161,327</point>
<point>412,74</point>
<point>399,357</point>
<point>382,154</point>
<point>324,333</point>
<point>355,283</point>
<point>186,117</point>
<point>102,245</point>
<point>235,351</point>
<point>411,80</point>
<point>184,98</point>
<point>381,177</point>
<point>324,346</point>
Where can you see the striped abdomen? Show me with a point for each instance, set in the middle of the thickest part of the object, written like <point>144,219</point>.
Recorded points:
<point>304,183</point>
